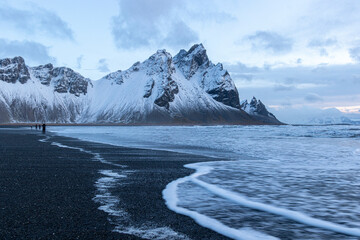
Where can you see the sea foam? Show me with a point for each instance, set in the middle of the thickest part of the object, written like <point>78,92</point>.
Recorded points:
<point>170,196</point>
<point>108,202</point>
<point>96,156</point>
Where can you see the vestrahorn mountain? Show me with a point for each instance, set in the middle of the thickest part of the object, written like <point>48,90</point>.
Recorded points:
<point>185,89</point>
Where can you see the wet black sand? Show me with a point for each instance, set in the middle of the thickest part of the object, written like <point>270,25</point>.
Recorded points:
<point>47,191</point>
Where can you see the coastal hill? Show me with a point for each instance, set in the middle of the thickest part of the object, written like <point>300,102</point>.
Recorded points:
<point>185,89</point>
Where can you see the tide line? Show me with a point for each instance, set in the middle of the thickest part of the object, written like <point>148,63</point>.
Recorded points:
<point>96,156</point>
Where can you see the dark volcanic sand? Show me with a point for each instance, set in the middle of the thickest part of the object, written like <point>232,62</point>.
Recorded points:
<point>47,191</point>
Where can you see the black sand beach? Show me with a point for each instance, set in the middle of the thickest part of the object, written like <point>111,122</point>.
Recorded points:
<point>47,191</point>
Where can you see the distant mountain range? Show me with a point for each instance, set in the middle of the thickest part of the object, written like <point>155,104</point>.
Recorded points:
<point>332,116</point>
<point>315,116</point>
<point>185,89</point>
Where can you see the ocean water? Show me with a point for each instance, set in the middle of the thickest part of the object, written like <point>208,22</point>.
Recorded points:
<point>278,182</point>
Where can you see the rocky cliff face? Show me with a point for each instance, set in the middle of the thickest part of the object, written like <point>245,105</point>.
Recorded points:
<point>64,80</point>
<point>159,66</point>
<point>43,73</point>
<point>195,65</point>
<point>186,89</point>
<point>189,62</point>
<point>258,110</point>
<point>14,70</point>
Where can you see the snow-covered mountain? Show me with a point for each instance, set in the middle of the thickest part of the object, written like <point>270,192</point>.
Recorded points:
<point>316,116</point>
<point>186,89</point>
<point>257,110</point>
<point>329,116</point>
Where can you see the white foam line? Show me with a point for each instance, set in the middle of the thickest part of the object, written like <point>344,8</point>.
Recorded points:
<point>112,174</point>
<point>44,139</point>
<point>289,214</point>
<point>149,232</point>
<point>65,146</point>
<point>97,156</point>
<point>109,203</point>
<point>171,199</point>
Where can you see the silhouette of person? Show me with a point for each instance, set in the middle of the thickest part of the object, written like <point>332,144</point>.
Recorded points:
<point>43,127</point>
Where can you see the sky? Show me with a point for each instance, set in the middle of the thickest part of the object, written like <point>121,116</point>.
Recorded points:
<point>300,56</point>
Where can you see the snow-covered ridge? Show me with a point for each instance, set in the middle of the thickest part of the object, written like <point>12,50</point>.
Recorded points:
<point>186,89</point>
<point>196,66</point>
<point>257,109</point>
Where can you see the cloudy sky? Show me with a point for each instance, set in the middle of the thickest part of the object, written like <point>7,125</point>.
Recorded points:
<point>296,56</point>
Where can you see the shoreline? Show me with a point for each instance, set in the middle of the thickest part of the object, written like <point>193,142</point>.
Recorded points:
<point>140,193</point>
<point>28,124</point>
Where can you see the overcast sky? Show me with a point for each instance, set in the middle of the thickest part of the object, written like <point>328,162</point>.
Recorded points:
<point>296,55</point>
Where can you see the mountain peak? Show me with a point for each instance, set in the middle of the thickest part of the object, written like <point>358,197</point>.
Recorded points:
<point>17,59</point>
<point>160,62</point>
<point>257,109</point>
<point>197,48</point>
<point>160,54</point>
<point>254,101</point>
<point>190,61</point>
<point>13,70</point>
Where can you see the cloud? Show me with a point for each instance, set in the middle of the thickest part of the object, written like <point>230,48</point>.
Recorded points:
<point>210,14</point>
<point>33,52</point>
<point>312,98</point>
<point>270,41</point>
<point>355,54</point>
<point>320,43</point>
<point>323,52</point>
<point>280,87</point>
<point>143,23</point>
<point>103,66</point>
<point>240,67</point>
<point>35,20</point>
<point>79,61</point>
<point>335,85</point>
<point>179,34</point>
<point>245,76</point>
<point>206,11</point>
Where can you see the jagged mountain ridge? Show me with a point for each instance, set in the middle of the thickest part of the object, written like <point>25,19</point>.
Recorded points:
<point>258,110</point>
<point>186,89</point>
